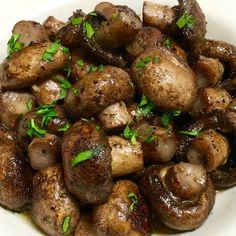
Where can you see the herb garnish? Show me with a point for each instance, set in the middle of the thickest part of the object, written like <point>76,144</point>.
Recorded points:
<point>134,199</point>
<point>92,68</point>
<point>84,156</point>
<point>186,20</point>
<point>66,224</point>
<point>80,62</point>
<point>92,13</point>
<point>168,116</point>
<point>143,62</point>
<point>64,84</point>
<point>13,45</point>
<point>34,130</point>
<point>97,126</point>
<point>222,94</point>
<point>130,134</point>
<point>65,127</point>
<point>29,105</point>
<point>88,29</point>
<point>168,43</point>
<point>194,133</point>
<point>145,107</point>
<point>47,113</point>
<point>76,20</point>
<point>51,51</point>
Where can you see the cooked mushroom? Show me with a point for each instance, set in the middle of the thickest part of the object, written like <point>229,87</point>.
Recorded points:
<point>44,151</point>
<point>229,85</point>
<point>99,90</point>
<point>14,104</point>
<point>115,116</point>
<point>209,149</point>
<point>15,181</point>
<point>52,26</point>
<point>125,212</point>
<point>209,71</point>
<point>209,99</point>
<point>181,195</point>
<point>86,156</point>
<point>27,66</point>
<point>161,16</point>
<point>31,32</point>
<point>126,158</point>
<point>120,27</point>
<point>232,105</point>
<point>54,210</point>
<point>165,79</point>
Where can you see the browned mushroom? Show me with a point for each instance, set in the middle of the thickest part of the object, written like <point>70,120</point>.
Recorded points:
<point>181,196</point>
<point>126,158</point>
<point>125,212</point>
<point>14,104</point>
<point>44,151</point>
<point>209,149</point>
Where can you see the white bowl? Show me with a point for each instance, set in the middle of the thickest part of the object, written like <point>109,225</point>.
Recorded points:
<point>221,25</point>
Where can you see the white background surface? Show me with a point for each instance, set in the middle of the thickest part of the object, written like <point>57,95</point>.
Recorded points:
<point>221,24</point>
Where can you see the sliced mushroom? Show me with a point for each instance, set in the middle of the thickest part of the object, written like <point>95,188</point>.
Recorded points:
<point>161,16</point>
<point>209,71</point>
<point>209,149</point>
<point>126,158</point>
<point>209,99</point>
<point>181,196</point>
<point>54,210</point>
<point>89,179</point>
<point>165,79</point>
<point>97,91</point>
<point>125,212</point>
<point>44,151</point>
<point>27,66</point>
<point>31,32</point>
<point>52,26</point>
<point>115,116</point>
<point>14,104</point>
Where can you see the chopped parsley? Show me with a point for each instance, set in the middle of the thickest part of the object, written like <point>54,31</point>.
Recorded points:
<point>88,29</point>
<point>101,68</point>
<point>65,50</point>
<point>76,20</point>
<point>93,13</point>
<point>186,20</point>
<point>193,133</point>
<point>143,101</point>
<point>34,130</point>
<point>134,198</point>
<point>150,139</point>
<point>143,62</point>
<point>67,69</point>
<point>64,84</point>
<point>168,116</point>
<point>65,127</point>
<point>51,51</point>
<point>66,224</point>
<point>80,62</point>
<point>47,113</point>
<point>84,156</point>
<point>13,45</point>
<point>222,94</point>
<point>130,134</point>
<point>92,68</point>
<point>155,59</point>
<point>168,43</point>
<point>75,91</point>
<point>29,105</point>
<point>145,107</point>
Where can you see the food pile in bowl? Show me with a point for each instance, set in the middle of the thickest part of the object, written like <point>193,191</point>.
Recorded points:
<point>110,123</point>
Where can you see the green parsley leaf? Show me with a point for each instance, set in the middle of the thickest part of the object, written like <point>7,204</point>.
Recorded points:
<point>143,101</point>
<point>65,127</point>
<point>64,84</point>
<point>145,107</point>
<point>68,70</point>
<point>65,50</point>
<point>84,156</point>
<point>143,61</point>
<point>148,108</point>
<point>101,68</point>
<point>194,133</point>
<point>167,117</point>
<point>222,94</point>
<point>13,45</point>
<point>93,13</point>
<point>150,139</point>
<point>168,43</point>
<point>134,198</point>
<point>34,130</point>
<point>44,109</point>
<point>75,91</point>
<point>29,105</point>
<point>51,51</point>
<point>47,113</point>
<point>76,20</point>
<point>130,134</point>
<point>186,20</point>
<point>88,29</point>
<point>155,59</point>
<point>66,224</point>
<point>80,62</point>
<point>92,68</point>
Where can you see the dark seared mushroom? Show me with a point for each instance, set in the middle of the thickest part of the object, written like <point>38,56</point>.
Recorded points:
<point>209,99</point>
<point>161,16</point>
<point>115,116</point>
<point>165,79</point>
<point>120,27</point>
<point>44,151</point>
<point>209,71</point>
<point>181,196</point>
<point>86,156</point>
<point>31,32</point>
<point>92,47</point>
<point>232,105</point>
<point>99,90</point>
<point>14,104</point>
<point>195,33</point>
<point>52,26</point>
<point>125,212</point>
<point>52,204</point>
<point>209,149</point>
<point>126,158</point>
<point>229,85</point>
